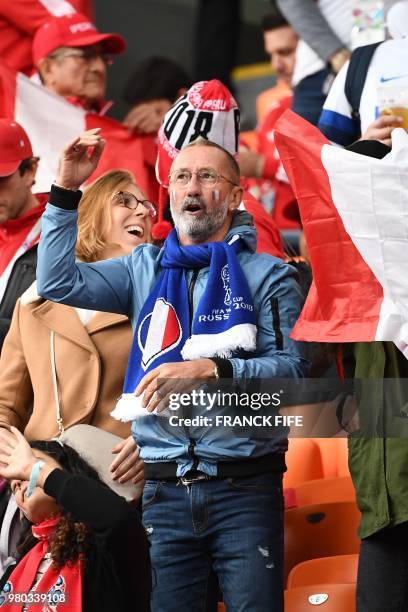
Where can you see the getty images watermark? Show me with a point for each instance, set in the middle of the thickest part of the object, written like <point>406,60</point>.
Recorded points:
<point>220,401</point>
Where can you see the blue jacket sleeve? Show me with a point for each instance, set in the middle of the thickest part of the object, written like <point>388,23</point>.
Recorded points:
<point>277,355</point>
<point>104,285</point>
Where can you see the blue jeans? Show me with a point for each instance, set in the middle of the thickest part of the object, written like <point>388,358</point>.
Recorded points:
<point>233,527</point>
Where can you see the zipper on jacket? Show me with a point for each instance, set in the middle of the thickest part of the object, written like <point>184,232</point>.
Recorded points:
<point>276,324</point>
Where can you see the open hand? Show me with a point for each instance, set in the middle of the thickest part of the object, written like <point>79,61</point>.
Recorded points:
<point>127,465</point>
<point>147,118</point>
<point>381,128</point>
<point>16,455</point>
<point>250,163</point>
<point>79,159</point>
<point>180,377</point>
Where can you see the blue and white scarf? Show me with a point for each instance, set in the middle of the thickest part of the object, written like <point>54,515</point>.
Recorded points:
<point>223,322</point>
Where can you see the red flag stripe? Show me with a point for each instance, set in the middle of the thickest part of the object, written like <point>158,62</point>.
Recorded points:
<point>344,301</point>
<point>172,329</point>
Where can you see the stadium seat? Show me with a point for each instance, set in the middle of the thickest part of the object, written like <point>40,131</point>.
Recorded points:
<point>334,455</point>
<point>320,530</point>
<point>303,461</point>
<point>342,457</point>
<point>338,569</point>
<point>326,598</point>
<point>328,451</point>
<point>325,490</point>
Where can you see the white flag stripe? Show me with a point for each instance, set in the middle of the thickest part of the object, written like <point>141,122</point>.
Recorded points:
<point>155,335</point>
<point>50,123</point>
<point>391,326</point>
<point>58,8</point>
<point>371,197</point>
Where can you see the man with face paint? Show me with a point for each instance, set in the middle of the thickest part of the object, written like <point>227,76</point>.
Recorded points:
<point>209,111</point>
<point>199,214</point>
<point>212,500</point>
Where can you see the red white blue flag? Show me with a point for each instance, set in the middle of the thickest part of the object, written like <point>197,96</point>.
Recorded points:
<point>354,210</point>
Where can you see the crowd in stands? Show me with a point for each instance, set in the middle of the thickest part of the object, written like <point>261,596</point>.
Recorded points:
<point>148,262</point>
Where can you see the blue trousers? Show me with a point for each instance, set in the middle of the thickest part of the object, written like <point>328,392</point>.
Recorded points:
<point>233,527</point>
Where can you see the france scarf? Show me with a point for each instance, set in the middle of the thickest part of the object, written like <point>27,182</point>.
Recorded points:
<point>223,322</point>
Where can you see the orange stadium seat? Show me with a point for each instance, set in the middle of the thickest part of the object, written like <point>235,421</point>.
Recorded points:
<point>324,490</point>
<point>320,530</point>
<point>338,569</point>
<point>342,457</point>
<point>328,451</point>
<point>303,461</point>
<point>334,454</point>
<point>326,598</point>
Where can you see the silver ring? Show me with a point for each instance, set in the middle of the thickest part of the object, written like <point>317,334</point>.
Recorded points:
<point>159,395</point>
<point>75,148</point>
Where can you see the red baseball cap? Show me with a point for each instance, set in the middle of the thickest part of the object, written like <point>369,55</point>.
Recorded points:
<point>74,30</point>
<point>14,146</point>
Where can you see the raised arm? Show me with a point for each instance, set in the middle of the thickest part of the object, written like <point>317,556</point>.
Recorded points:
<point>102,285</point>
<point>307,20</point>
<point>87,499</point>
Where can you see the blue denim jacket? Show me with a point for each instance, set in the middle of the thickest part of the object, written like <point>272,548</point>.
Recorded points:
<point>122,285</point>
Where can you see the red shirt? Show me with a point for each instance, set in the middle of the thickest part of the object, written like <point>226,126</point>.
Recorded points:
<point>19,20</point>
<point>266,144</point>
<point>267,233</point>
<point>14,231</point>
<point>285,210</point>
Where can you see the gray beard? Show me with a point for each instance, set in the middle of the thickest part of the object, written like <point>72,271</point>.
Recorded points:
<point>199,229</point>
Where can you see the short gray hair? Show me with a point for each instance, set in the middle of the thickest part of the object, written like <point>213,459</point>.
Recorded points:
<point>232,162</point>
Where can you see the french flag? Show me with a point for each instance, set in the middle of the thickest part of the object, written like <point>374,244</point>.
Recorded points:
<point>354,210</point>
<point>161,337</point>
<point>50,122</point>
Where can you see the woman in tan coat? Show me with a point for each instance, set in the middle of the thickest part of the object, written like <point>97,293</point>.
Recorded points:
<point>62,366</point>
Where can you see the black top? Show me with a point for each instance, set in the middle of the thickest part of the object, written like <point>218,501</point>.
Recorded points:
<point>117,571</point>
<point>21,277</point>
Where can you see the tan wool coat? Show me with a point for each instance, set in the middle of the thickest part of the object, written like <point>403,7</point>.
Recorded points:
<point>90,367</point>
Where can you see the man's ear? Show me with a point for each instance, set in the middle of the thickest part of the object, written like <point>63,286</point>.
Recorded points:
<point>30,172</point>
<point>45,70</point>
<point>235,198</point>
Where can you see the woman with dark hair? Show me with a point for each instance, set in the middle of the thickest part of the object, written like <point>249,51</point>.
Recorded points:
<point>82,547</point>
